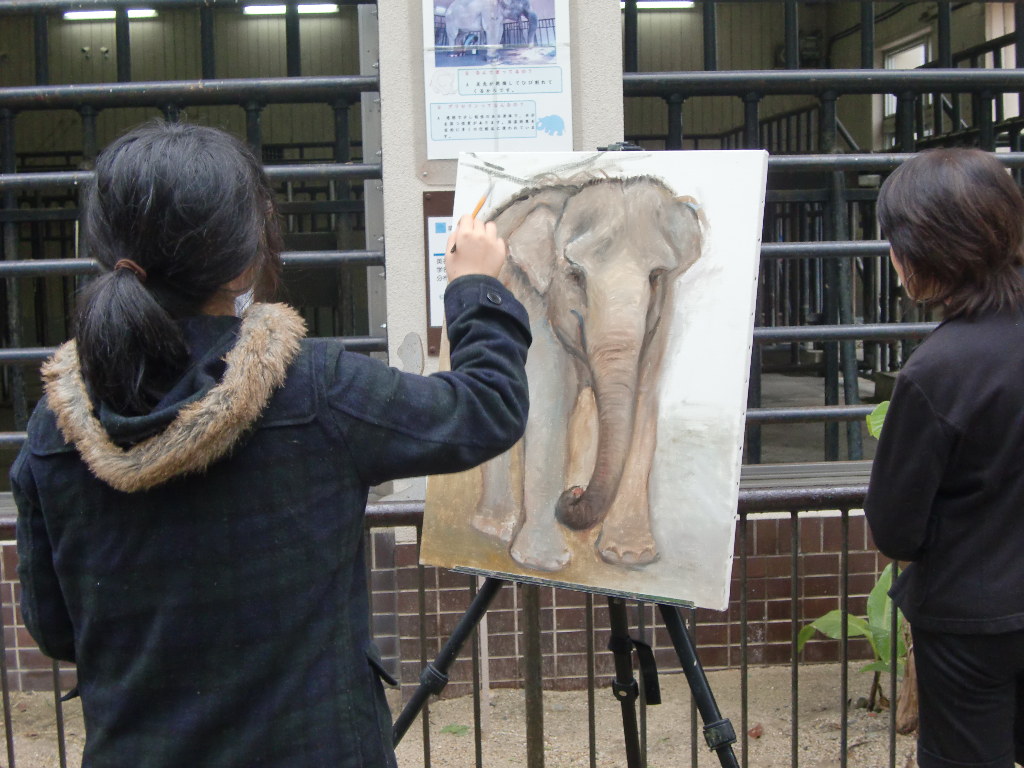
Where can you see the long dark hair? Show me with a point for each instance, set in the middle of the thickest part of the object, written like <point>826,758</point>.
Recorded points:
<point>190,209</point>
<point>955,221</point>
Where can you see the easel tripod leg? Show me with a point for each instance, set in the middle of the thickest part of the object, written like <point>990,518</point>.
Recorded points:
<point>718,731</point>
<point>624,686</point>
<point>434,677</point>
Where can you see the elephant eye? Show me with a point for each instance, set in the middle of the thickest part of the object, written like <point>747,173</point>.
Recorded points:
<point>577,275</point>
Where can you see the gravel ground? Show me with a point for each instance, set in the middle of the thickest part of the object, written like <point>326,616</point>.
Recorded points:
<point>565,726</point>
<point>769,691</point>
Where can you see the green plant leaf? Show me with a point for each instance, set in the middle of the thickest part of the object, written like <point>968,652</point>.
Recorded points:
<point>875,666</point>
<point>876,418</point>
<point>831,625</point>
<point>456,729</point>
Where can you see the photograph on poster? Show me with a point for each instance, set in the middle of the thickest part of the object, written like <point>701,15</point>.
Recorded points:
<point>496,76</point>
<point>473,33</point>
<point>639,272</point>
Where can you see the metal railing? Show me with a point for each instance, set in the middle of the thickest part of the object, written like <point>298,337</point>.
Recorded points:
<point>760,496</point>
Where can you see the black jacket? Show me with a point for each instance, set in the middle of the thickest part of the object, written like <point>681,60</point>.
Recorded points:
<point>947,485</point>
<point>204,564</point>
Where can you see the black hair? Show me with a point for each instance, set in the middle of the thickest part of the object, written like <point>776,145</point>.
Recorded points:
<point>955,221</point>
<point>190,206</point>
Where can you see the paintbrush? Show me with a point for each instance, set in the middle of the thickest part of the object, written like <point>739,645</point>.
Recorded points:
<point>479,205</point>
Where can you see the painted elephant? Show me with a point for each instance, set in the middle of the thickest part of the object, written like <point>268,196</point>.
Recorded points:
<point>594,263</point>
<point>489,16</point>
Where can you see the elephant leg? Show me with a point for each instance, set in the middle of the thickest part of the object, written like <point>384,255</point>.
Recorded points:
<point>626,537</point>
<point>582,448</point>
<point>498,511</point>
<point>540,543</point>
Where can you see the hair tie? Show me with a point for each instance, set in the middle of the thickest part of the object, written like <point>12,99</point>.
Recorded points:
<point>131,266</point>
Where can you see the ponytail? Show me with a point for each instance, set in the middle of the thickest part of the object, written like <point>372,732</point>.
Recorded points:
<point>175,212</point>
<point>130,348</point>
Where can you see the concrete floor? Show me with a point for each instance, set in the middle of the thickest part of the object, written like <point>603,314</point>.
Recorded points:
<point>786,443</point>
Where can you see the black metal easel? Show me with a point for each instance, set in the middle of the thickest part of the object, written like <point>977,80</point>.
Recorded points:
<point>718,731</point>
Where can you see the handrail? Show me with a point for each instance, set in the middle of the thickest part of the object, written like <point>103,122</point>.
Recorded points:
<point>30,6</point>
<point>308,172</point>
<point>163,93</point>
<point>821,82</point>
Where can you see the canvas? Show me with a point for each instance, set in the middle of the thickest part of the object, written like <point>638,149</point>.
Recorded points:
<point>639,272</point>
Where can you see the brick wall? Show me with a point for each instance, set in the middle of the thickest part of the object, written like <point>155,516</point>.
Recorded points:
<point>773,590</point>
<point>396,577</point>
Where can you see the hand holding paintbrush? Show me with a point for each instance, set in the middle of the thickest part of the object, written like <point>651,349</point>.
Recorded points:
<point>474,247</point>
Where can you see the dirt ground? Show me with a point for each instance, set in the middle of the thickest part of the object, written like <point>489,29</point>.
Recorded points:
<point>565,726</point>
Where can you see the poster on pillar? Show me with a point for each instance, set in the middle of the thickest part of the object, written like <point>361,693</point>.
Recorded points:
<point>639,273</point>
<point>496,76</point>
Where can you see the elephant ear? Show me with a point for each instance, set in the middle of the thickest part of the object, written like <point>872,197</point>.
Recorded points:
<point>528,226</point>
<point>686,223</point>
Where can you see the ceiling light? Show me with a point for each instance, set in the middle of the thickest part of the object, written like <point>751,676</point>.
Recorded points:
<point>133,13</point>
<point>278,10</point>
<point>662,5</point>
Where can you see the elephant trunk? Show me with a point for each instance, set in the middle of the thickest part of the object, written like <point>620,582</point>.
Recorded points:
<point>615,386</point>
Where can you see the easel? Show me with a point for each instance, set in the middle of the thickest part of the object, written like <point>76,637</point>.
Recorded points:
<point>718,731</point>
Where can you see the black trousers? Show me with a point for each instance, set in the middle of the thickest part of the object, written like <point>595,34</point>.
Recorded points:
<point>971,692</point>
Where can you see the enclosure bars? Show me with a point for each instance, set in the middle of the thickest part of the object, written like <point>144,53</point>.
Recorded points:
<point>40,9</point>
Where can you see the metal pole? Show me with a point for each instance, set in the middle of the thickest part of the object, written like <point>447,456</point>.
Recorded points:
<point>533,677</point>
<point>710,23</point>
<point>8,162</point>
<point>293,51</point>
<point>945,58</point>
<point>631,38</point>
<point>792,36</point>
<point>624,686</point>
<point>674,140</point>
<point>848,350</point>
<point>206,48</point>
<point>122,39</point>
<point>252,127</point>
<point>42,48</point>
<point>867,35</point>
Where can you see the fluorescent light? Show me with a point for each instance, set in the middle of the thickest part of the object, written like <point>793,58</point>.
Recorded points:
<point>278,10</point>
<point>667,5</point>
<point>133,13</point>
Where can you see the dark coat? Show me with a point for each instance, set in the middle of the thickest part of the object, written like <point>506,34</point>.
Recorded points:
<point>203,565</point>
<point>947,484</point>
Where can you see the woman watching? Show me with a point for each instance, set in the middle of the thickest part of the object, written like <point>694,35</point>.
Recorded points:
<point>947,485</point>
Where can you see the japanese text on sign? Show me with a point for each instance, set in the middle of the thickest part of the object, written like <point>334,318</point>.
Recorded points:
<point>483,120</point>
<point>520,80</point>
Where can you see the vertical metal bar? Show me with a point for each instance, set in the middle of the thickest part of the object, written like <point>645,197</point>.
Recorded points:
<point>90,145</point>
<point>5,692</point>
<point>1018,47</point>
<point>631,42</point>
<point>641,629</point>
<point>691,630</point>
<point>58,706</point>
<point>478,736</point>
<point>591,680</point>
<point>844,638</point>
<point>794,622</point>
<point>894,640</point>
<point>252,127</point>
<point>207,51</point>
<point>744,638</point>
<point>905,121</point>
<point>792,36</point>
<point>709,19</point>
<point>751,140</point>
<point>674,140</point>
<point>848,349</point>
<point>122,40</point>
<point>8,164</point>
<point>533,677</point>
<point>421,592</point>
<point>293,53</point>
<point>751,107</point>
<point>986,128</point>
<point>172,112</point>
<point>42,48</point>
<point>827,139</point>
<point>867,35</point>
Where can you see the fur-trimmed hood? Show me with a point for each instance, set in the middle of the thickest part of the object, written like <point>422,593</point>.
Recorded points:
<point>202,431</point>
